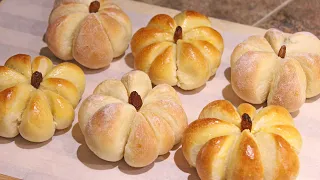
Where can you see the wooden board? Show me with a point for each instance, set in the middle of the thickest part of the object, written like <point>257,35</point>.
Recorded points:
<point>22,26</point>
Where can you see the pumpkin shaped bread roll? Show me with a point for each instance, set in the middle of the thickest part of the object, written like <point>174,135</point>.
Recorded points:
<point>90,31</point>
<point>36,98</point>
<point>129,119</point>
<point>234,144</point>
<point>183,51</point>
<point>278,68</point>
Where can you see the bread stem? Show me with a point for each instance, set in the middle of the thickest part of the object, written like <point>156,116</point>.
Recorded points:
<point>94,7</point>
<point>177,34</point>
<point>135,100</point>
<point>246,122</point>
<point>36,79</point>
<point>282,51</point>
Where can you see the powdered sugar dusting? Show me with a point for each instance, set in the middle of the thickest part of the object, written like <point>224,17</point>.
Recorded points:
<point>102,119</point>
<point>288,82</point>
<point>245,66</point>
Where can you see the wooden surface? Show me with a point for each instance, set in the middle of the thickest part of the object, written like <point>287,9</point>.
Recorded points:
<point>4,177</point>
<point>66,156</point>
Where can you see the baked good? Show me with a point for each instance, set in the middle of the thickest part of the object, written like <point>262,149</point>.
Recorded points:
<point>91,32</point>
<point>230,143</point>
<point>183,51</point>
<point>129,119</point>
<point>37,98</point>
<point>278,68</point>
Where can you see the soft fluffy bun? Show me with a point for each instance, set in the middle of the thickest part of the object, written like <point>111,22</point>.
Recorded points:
<point>91,32</point>
<point>129,119</point>
<point>229,143</point>
<point>183,51</point>
<point>37,98</point>
<point>279,68</point>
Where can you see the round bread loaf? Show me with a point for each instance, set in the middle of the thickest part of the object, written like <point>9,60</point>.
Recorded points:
<point>229,143</point>
<point>37,98</point>
<point>129,119</point>
<point>91,32</point>
<point>280,68</point>
<point>183,51</point>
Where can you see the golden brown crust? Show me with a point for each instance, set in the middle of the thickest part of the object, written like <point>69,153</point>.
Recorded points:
<point>20,63</point>
<point>62,110</point>
<point>163,68</point>
<point>201,131</point>
<point>191,62</point>
<point>193,69</point>
<point>212,159</point>
<point>12,103</point>
<point>69,72</point>
<point>222,110</point>
<point>147,36</point>
<point>10,78</point>
<point>41,64</point>
<point>219,151</point>
<point>288,161</point>
<point>37,121</point>
<point>248,109</point>
<point>164,22</point>
<point>245,162</point>
<point>36,113</point>
<point>62,87</point>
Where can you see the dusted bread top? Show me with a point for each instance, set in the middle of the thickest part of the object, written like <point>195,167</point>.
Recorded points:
<point>127,118</point>
<point>91,32</point>
<point>278,68</point>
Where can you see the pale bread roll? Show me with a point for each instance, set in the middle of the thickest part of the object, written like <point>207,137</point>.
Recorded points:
<point>259,75</point>
<point>36,110</point>
<point>116,127</point>
<point>220,146</point>
<point>183,51</point>
<point>91,32</point>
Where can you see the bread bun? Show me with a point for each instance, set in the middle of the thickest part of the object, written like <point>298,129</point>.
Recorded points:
<point>37,98</point>
<point>129,119</point>
<point>278,68</point>
<point>183,51</point>
<point>91,32</point>
<point>229,143</point>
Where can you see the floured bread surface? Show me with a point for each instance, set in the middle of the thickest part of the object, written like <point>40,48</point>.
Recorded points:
<point>259,73</point>
<point>183,51</point>
<point>240,143</point>
<point>129,119</point>
<point>35,106</point>
<point>91,32</point>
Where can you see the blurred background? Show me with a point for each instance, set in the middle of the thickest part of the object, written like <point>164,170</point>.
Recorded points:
<point>288,15</point>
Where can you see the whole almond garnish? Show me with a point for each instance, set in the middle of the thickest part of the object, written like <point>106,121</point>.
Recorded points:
<point>282,51</point>
<point>94,7</point>
<point>177,34</point>
<point>36,79</point>
<point>246,122</point>
<point>135,100</point>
